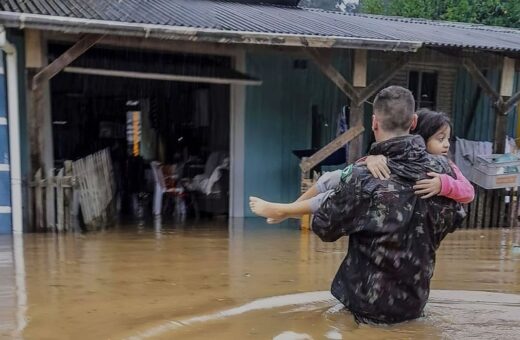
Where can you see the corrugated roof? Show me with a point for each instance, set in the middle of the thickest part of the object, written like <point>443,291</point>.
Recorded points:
<point>229,16</point>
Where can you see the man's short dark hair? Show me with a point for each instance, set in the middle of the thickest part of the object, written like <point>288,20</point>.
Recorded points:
<point>394,107</point>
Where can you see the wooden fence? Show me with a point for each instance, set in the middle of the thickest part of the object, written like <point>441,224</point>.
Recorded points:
<point>81,193</point>
<point>493,209</point>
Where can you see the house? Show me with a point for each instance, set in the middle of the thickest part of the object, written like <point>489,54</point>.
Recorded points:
<point>246,76</point>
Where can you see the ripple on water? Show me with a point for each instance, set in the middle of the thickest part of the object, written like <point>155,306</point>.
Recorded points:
<point>316,315</point>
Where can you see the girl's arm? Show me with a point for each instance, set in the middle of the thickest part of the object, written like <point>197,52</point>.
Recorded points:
<point>459,188</point>
<point>377,165</point>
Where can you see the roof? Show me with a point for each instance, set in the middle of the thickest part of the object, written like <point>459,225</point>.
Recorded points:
<point>250,22</point>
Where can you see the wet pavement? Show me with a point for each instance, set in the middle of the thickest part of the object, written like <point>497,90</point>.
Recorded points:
<point>242,279</point>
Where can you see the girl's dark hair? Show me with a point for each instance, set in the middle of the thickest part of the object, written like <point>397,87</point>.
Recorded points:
<point>429,122</point>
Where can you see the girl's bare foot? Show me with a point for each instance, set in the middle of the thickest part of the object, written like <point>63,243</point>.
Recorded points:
<point>275,220</point>
<point>265,209</point>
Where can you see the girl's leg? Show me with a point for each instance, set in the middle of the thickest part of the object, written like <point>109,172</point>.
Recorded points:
<point>307,203</point>
<point>277,212</point>
<point>328,181</point>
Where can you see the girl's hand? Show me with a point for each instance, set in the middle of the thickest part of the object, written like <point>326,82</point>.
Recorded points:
<point>427,188</point>
<point>377,166</point>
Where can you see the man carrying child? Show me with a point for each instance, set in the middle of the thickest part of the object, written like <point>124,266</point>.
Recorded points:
<point>393,233</point>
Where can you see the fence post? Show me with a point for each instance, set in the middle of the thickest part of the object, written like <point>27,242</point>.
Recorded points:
<point>50,200</point>
<point>60,201</point>
<point>38,200</point>
<point>68,196</point>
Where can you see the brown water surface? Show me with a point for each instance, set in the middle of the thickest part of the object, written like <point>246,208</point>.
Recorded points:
<point>239,280</point>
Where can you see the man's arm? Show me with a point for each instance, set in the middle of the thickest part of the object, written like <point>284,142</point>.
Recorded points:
<point>340,212</point>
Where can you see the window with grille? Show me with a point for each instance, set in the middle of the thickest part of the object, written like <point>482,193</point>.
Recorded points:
<point>424,88</point>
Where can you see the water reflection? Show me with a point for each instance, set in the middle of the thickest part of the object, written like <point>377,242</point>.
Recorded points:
<point>134,277</point>
<point>13,296</point>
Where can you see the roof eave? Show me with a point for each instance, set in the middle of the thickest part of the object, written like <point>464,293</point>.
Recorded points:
<point>78,25</point>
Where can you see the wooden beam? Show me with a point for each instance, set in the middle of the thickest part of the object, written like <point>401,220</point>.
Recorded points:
<point>385,77</point>
<point>508,75</point>
<point>475,73</point>
<point>65,59</point>
<point>324,63</point>
<point>357,95</point>
<point>502,107</point>
<point>161,76</point>
<point>512,101</point>
<point>359,79</point>
<point>330,148</point>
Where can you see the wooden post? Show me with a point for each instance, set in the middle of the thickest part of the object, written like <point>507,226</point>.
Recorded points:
<point>306,183</point>
<point>67,196</point>
<point>38,201</point>
<point>508,75</point>
<point>359,79</point>
<point>501,108</point>
<point>40,128</point>
<point>500,131</point>
<point>50,201</point>
<point>357,113</point>
<point>356,106</point>
<point>60,203</point>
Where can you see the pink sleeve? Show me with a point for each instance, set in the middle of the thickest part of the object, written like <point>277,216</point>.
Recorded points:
<point>362,159</point>
<point>459,188</point>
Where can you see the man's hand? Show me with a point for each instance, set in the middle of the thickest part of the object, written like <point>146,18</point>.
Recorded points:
<point>427,188</point>
<point>377,166</point>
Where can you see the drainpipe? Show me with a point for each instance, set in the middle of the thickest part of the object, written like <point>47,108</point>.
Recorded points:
<point>14,131</point>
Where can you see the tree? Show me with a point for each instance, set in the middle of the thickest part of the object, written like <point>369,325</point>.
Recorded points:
<point>488,12</point>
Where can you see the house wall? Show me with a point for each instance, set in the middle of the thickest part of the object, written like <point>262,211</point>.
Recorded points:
<point>5,175</point>
<point>278,113</point>
<point>278,119</point>
<point>16,38</point>
<point>479,124</point>
<point>473,116</point>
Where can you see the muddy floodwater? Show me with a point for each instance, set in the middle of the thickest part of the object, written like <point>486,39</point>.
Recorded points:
<point>240,279</point>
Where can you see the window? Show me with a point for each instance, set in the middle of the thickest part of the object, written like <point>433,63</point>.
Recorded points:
<point>424,88</point>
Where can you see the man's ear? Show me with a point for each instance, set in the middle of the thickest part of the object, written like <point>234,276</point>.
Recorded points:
<point>414,122</point>
<point>375,123</point>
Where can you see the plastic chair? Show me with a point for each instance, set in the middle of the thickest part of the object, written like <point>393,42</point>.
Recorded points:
<point>161,188</point>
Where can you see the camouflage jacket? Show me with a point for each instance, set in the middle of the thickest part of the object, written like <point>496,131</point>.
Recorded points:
<point>393,233</point>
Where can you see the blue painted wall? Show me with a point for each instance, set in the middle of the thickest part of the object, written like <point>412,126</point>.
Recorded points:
<point>17,38</point>
<point>278,119</point>
<point>5,179</point>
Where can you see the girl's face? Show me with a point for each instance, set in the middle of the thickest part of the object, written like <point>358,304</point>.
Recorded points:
<point>439,143</point>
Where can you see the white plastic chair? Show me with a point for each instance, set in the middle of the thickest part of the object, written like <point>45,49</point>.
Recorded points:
<point>160,188</point>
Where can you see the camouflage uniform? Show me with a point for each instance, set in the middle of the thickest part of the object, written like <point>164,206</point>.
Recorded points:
<point>385,277</point>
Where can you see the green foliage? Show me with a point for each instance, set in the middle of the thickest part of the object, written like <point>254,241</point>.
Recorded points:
<point>487,12</point>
